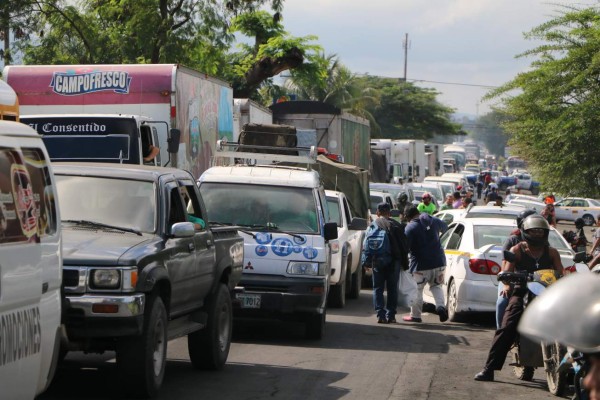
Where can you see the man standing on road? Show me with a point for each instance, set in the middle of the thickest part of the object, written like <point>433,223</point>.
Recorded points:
<point>427,261</point>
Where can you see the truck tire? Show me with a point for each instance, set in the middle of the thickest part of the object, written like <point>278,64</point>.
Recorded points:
<point>141,359</point>
<point>337,295</point>
<point>356,283</point>
<point>209,348</point>
<point>315,326</point>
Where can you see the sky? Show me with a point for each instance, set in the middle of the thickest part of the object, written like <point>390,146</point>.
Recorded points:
<point>457,42</point>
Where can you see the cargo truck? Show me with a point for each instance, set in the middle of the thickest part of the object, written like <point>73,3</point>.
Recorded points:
<point>113,113</point>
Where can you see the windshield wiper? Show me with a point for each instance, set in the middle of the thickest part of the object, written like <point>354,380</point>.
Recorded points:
<point>101,225</point>
<point>271,227</point>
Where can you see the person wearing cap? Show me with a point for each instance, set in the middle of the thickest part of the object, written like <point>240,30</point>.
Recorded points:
<point>427,261</point>
<point>426,205</point>
<point>386,269</point>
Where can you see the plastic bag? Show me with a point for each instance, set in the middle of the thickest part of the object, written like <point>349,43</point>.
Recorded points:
<point>407,289</point>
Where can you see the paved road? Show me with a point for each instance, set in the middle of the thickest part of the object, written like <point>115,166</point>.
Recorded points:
<point>357,359</point>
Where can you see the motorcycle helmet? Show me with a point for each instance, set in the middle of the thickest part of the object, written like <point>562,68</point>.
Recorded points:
<point>524,214</point>
<point>402,197</point>
<point>567,312</point>
<point>579,223</point>
<point>535,222</point>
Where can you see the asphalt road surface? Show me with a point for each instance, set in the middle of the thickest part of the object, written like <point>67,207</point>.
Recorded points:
<point>357,359</point>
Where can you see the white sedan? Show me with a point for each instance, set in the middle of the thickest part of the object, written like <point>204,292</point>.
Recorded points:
<point>473,248</point>
<point>571,208</point>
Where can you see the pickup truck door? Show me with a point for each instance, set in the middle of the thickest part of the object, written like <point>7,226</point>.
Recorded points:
<point>354,237</point>
<point>180,260</point>
<point>205,267</point>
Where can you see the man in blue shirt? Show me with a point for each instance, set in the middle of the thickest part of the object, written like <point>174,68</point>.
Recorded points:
<point>427,260</point>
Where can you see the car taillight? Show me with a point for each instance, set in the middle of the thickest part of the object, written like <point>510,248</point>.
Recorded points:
<point>570,270</point>
<point>485,267</point>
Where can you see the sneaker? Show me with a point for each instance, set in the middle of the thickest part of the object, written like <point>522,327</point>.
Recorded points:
<point>391,320</point>
<point>486,375</point>
<point>408,318</point>
<point>382,320</point>
<point>442,312</point>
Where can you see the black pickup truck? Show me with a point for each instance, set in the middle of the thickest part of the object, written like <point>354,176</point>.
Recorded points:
<point>141,267</point>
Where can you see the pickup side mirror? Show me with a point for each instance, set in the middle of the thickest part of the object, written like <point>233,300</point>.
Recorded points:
<point>173,140</point>
<point>330,231</point>
<point>182,229</point>
<point>359,224</point>
<point>579,257</point>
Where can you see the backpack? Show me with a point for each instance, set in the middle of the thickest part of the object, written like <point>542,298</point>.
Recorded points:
<point>377,248</point>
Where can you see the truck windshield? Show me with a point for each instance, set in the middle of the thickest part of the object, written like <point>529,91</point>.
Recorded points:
<point>287,209</point>
<point>88,138</point>
<point>118,202</point>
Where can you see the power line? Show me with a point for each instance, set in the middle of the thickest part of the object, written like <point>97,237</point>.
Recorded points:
<point>428,81</point>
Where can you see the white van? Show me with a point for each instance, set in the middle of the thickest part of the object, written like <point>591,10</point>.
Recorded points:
<point>283,217</point>
<point>30,264</point>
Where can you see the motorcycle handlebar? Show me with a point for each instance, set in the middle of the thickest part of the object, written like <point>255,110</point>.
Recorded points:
<point>513,277</point>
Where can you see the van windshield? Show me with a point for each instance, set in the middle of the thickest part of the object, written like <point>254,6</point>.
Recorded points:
<point>288,209</point>
<point>93,138</point>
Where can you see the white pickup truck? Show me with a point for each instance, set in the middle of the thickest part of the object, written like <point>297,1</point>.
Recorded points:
<point>346,274</point>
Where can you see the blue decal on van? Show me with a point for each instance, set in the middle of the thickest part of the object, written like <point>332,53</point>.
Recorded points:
<point>282,247</point>
<point>297,249</point>
<point>263,237</point>
<point>310,252</point>
<point>261,250</point>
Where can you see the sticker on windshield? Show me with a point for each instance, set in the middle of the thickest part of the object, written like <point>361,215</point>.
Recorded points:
<point>282,247</point>
<point>310,252</point>
<point>263,237</point>
<point>261,250</point>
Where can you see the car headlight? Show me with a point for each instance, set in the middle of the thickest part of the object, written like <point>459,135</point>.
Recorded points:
<point>105,279</point>
<point>335,246</point>
<point>305,268</point>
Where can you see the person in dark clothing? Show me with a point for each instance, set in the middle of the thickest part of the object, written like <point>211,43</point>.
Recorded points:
<point>532,254</point>
<point>479,186</point>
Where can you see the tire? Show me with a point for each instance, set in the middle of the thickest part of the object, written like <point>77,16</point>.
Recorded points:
<point>315,326</point>
<point>522,373</point>
<point>588,219</point>
<point>209,348</point>
<point>452,303</point>
<point>337,295</point>
<point>141,359</point>
<point>553,354</point>
<point>356,285</point>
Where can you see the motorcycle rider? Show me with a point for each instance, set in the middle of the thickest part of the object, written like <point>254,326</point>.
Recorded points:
<point>402,202</point>
<point>532,254</point>
<point>514,239</point>
<point>567,312</point>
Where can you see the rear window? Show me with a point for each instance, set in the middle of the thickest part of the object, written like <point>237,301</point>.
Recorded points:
<point>486,234</point>
<point>491,215</point>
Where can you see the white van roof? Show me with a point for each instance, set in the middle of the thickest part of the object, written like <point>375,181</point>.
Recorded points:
<point>11,128</point>
<point>263,175</point>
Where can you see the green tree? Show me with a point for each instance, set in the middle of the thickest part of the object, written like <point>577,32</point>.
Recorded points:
<point>18,19</point>
<point>488,130</point>
<point>408,111</point>
<point>555,113</point>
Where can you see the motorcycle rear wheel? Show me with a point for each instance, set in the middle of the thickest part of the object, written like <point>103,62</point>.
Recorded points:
<point>553,354</point>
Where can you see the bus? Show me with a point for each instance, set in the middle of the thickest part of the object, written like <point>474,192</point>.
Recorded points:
<point>9,103</point>
<point>513,163</point>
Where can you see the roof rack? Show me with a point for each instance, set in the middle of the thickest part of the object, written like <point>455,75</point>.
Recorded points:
<point>307,155</point>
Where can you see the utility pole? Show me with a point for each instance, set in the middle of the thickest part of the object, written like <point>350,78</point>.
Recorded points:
<point>405,45</point>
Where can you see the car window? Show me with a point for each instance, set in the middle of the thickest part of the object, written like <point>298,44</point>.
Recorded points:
<point>565,203</point>
<point>486,234</point>
<point>491,215</point>
<point>334,211</point>
<point>455,238</point>
<point>578,203</point>
<point>374,201</point>
<point>594,203</point>
<point>446,217</point>
<point>556,240</point>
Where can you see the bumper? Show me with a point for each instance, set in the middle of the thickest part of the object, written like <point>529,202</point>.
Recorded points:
<point>85,322</point>
<point>283,295</point>
<point>477,296</point>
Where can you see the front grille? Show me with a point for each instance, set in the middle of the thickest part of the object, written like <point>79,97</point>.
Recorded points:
<point>70,277</point>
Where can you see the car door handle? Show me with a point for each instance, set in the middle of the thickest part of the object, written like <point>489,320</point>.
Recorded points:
<point>191,246</point>
<point>44,287</point>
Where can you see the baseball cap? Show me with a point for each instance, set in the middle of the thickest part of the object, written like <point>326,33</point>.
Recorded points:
<point>383,207</point>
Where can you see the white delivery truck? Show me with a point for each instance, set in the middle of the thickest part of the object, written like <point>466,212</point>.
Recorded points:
<point>113,113</point>
<point>283,217</point>
<point>30,264</point>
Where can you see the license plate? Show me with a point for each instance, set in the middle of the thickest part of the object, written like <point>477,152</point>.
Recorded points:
<point>248,300</point>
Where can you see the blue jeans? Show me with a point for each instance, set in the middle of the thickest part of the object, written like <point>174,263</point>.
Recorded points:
<point>501,303</point>
<point>382,278</point>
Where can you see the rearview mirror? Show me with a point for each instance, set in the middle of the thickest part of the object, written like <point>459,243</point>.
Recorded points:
<point>330,231</point>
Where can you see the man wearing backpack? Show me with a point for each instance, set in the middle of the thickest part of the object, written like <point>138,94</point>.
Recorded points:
<point>385,250</point>
<point>427,260</point>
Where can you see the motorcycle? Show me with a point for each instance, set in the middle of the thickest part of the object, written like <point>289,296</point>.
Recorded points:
<point>528,354</point>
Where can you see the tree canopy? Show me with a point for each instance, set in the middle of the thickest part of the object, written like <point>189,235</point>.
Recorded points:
<point>555,113</point>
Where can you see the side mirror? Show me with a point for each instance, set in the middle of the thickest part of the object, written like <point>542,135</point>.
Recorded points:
<point>330,231</point>
<point>579,257</point>
<point>173,140</point>
<point>360,224</point>
<point>510,256</point>
<point>182,229</point>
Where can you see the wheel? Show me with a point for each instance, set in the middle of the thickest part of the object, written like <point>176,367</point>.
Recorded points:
<point>356,281</point>
<point>452,303</point>
<point>315,326</point>
<point>209,348</point>
<point>557,381</point>
<point>588,219</point>
<point>141,359</point>
<point>521,372</point>
<point>337,295</point>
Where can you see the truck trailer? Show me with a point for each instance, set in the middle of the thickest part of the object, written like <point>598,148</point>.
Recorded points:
<point>180,111</point>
